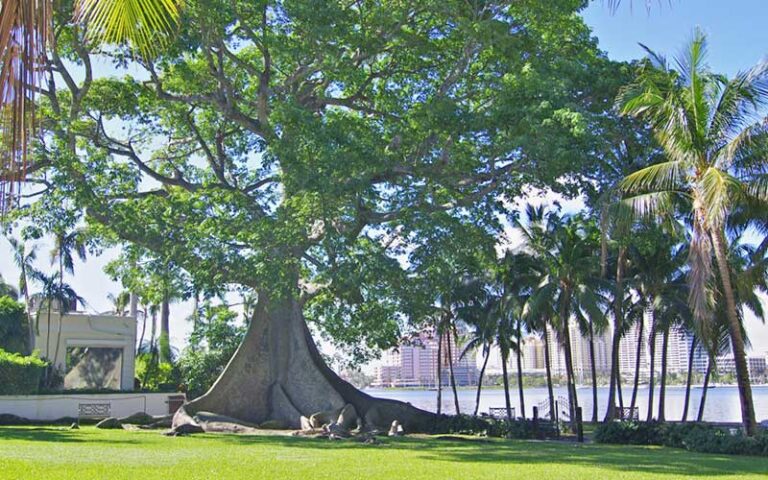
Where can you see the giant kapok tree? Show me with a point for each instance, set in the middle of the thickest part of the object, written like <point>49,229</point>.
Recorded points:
<point>306,150</point>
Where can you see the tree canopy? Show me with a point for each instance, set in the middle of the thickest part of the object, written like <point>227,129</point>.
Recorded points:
<point>315,150</point>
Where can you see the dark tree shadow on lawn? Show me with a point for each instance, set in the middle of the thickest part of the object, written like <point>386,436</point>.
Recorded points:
<point>60,435</point>
<point>621,458</point>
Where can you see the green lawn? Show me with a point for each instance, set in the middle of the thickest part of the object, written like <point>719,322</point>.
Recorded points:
<point>58,453</point>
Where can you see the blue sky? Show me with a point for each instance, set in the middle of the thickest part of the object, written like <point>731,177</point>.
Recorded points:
<point>738,40</point>
<point>736,29</point>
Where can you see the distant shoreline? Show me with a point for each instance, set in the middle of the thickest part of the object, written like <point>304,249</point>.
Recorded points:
<point>580,386</point>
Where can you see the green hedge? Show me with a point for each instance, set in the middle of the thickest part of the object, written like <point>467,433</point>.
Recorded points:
<point>695,437</point>
<point>495,427</point>
<point>20,375</point>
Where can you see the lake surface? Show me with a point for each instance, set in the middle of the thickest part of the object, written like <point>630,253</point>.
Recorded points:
<point>722,403</point>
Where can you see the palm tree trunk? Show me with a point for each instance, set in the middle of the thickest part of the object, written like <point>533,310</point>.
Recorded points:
<point>480,379</point>
<point>619,393</point>
<point>638,355</point>
<point>572,397</point>
<point>618,317</point>
<point>30,322</point>
<point>663,386</point>
<point>548,368</point>
<point>520,389</point>
<point>48,334</point>
<point>505,374</point>
<point>143,332</point>
<point>737,341</point>
<point>593,369</point>
<point>453,378</point>
<point>652,353</point>
<point>439,371</point>
<point>705,387</point>
<point>152,347</point>
<point>688,379</point>
<point>165,323</point>
<point>61,305</point>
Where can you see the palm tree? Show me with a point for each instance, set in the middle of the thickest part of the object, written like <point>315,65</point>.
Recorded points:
<point>566,249</point>
<point>478,315</point>
<point>67,245</point>
<point>120,302</point>
<point>24,260</point>
<point>518,276</point>
<point>710,129</point>
<point>54,293</point>
<point>656,261</point>
<point>675,314</point>
<point>26,32</point>
<point>689,375</point>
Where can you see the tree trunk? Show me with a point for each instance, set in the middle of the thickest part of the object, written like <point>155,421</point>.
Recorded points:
<point>704,389</point>
<point>480,380</point>
<point>663,386</point>
<point>439,371</point>
<point>143,331</point>
<point>195,310</point>
<point>152,346</point>
<point>737,340</point>
<point>638,355</point>
<point>652,353</point>
<point>689,379</point>
<point>505,375</point>
<point>61,307</point>
<point>48,332</point>
<point>566,334</point>
<point>573,400</point>
<point>165,329</point>
<point>593,369</point>
<point>278,375</point>
<point>134,305</point>
<point>30,321</point>
<point>520,390</point>
<point>548,368</point>
<point>619,393</point>
<point>453,377</point>
<point>618,318</point>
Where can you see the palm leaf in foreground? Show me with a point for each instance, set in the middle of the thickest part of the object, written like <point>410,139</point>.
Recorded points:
<point>146,25</point>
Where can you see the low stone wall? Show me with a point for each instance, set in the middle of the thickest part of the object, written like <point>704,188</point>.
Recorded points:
<point>93,406</point>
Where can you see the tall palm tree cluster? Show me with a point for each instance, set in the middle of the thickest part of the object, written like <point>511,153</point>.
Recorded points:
<point>684,237</point>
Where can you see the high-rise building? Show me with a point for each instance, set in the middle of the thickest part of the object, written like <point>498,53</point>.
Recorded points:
<point>414,363</point>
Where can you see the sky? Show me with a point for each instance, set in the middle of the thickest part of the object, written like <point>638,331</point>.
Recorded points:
<point>738,39</point>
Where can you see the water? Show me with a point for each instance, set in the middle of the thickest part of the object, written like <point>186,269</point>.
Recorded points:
<point>722,403</point>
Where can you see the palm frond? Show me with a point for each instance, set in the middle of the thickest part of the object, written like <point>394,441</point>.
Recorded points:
<point>737,114</point>
<point>718,190</point>
<point>661,176</point>
<point>651,205</point>
<point>146,25</point>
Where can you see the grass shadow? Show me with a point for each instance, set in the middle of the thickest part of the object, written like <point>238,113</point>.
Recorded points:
<point>59,435</point>
<point>620,458</point>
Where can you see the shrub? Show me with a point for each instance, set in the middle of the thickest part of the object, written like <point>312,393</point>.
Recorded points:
<point>629,433</point>
<point>20,375</point>
<point>13,326</point>
<point>493,427</point>
<point>694,437</point>
<point>156,376</point>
